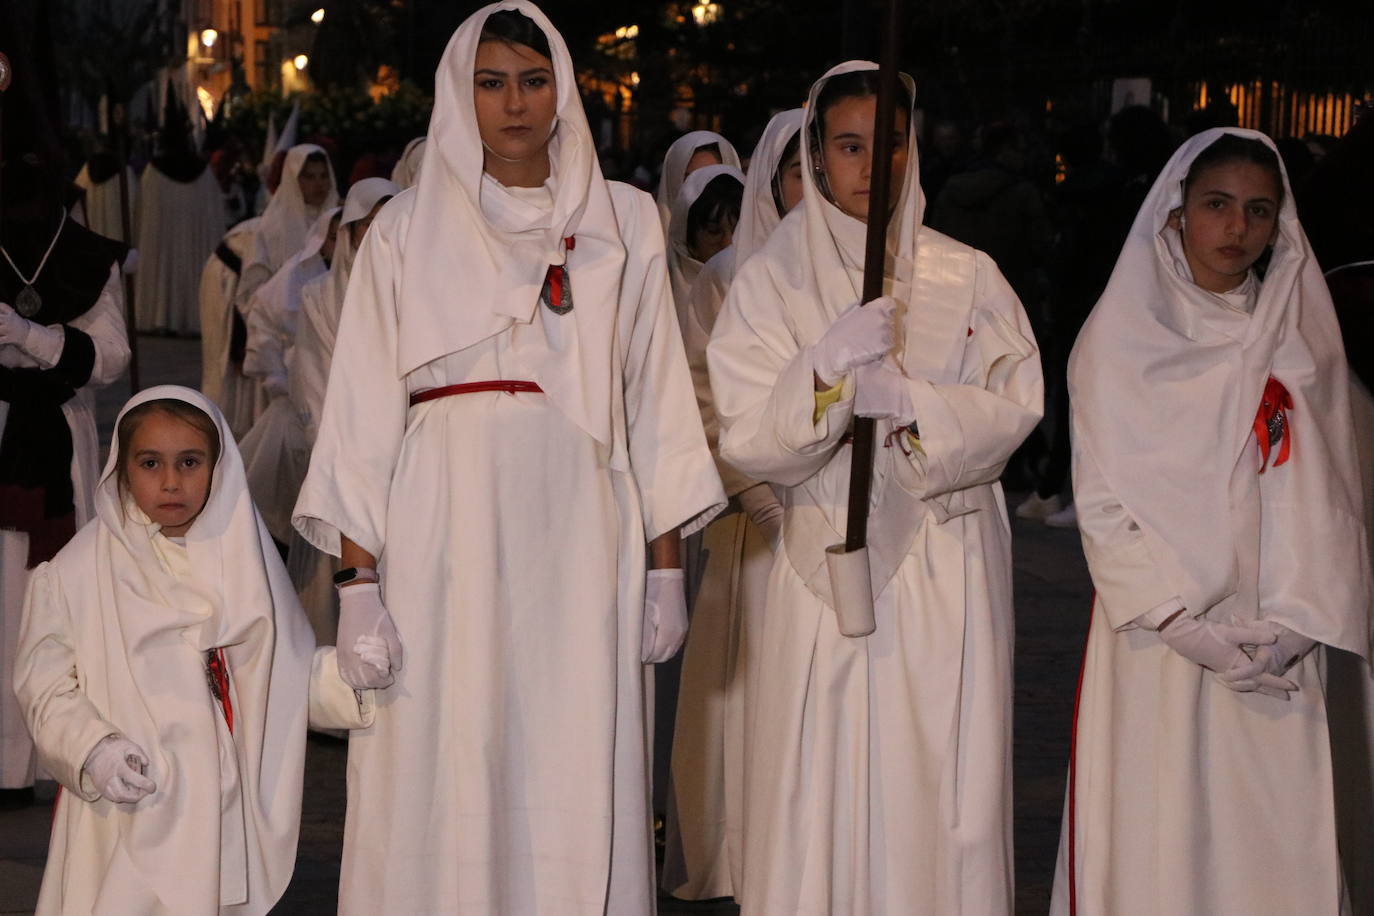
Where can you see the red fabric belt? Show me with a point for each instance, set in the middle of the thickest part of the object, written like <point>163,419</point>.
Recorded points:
<point>509,386</point>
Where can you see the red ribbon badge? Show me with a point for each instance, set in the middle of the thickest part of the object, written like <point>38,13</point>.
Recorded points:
<point>1271,423</point>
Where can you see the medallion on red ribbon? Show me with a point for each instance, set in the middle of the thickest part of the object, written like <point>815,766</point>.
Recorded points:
<point>557,292</point>
<point>1271,423</point>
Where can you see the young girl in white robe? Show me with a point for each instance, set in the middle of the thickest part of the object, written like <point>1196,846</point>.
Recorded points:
<point>167,673</point>
<point>1220,508</point>
<point>509,421</point>
<point>878,780</point>
<point>703,221</point>
<point>703,858</point>
<point>691,151</point>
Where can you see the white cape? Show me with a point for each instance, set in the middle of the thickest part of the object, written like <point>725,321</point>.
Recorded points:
<point>180,225</point>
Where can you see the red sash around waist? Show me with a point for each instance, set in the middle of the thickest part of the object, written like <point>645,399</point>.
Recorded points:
<point>509,386</point>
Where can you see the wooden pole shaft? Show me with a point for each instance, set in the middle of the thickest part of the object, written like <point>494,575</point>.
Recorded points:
<point>875,262</point>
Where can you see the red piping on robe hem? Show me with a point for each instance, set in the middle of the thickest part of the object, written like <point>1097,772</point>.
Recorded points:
<point>1073,772</point>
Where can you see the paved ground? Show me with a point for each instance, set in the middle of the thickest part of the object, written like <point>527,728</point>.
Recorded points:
<point>1052,600</point>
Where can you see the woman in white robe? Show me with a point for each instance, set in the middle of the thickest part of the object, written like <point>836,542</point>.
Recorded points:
<point>307,188</point>
<point>50,368</point>
<point>223,333</point>
<point>407,170</point>
<point>703,858</point>
<point>181,221</point>
<point>307,376</point>
<point>124,631</point>
<point>691,151</point>
<point>506,771</point>
<point>686,255</point>
<point>274,453</point>
<point>878,777</point>
<point>1191,790</point>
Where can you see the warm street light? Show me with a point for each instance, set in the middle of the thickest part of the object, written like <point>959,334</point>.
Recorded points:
<point>300,61</point>
<point>208,37</point>
<point>705,13</point>
<point>318,16</point>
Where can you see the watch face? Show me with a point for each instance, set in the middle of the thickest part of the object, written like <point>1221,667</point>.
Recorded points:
<point>345,575</point>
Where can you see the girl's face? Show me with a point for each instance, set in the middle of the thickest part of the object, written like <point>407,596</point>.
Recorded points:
<point>713,238</point>
<point>358,228</point>
<point>314,182</point>
<point>701,158</point>
<point>790,181</point>
<point>515,97</point>
<point>847,153</point>
<point>1229,217</point>
<point>168,471</point>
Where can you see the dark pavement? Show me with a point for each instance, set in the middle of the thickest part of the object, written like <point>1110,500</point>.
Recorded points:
<point>1053,594</point>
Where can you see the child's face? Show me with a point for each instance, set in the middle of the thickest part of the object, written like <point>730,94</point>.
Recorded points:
<point>169,471</point>
<point>713,238</point>
<point>1229,217</point>
<point>847,154</point>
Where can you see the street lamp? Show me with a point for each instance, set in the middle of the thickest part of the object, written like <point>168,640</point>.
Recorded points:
<point>705,12</point>
<point>300,61</point>
<point>318,16</point>
<point>208,37</point>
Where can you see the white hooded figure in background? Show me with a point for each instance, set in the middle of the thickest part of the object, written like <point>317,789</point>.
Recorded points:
<point>224,334</point>
<point>167,674</point>
<point>275,454</point>
<point>307,374</point>
<point>509,422</point>
<point>407,170</point>
<point>693,242</point>
<point>691,151</point>
<point>704,856</point>
<point>307,189</point>
<point>1219,500</point>
<point>878,780</point>
<point>99,178</point>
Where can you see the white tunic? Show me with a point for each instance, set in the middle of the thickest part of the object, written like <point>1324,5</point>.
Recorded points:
<point>506,770</point>
<point>104,323</point>
<point>180,225</point>
<point>103,212</point>
<point>879,778</point>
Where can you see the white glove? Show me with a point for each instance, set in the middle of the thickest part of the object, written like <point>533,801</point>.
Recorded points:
<point>882,391</point>
<point>116,766</point>
<point>14,327</point>
<point>374,652</point>
<point>275,385</point>
<point>1263,673</point>
<point>861,335</point>
<point>665,615</point>
<point>761,505</point>
<point>38,340</point>
<point>361,616</point>
<point>1214,645</point>
<point>131,262</point>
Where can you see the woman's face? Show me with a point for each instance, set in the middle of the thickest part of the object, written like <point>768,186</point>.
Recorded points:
<point>168,471</point>
<point>314,182</point>
<point>702,156</point>
<point>1229,217</point>
<point>790,181</point>
<point>847,153</point>
<point>515,98</point>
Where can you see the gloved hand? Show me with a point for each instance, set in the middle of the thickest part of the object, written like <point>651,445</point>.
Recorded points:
<point>1215,645</point>
<point>1263,673</point>
<point>882,391</point>
<point>665,615</point>
<point>39,341</point>
<point>115,766</point>
<point>861,335</point>
<point>374,652</point>
<point>275,385</point>
<point>362,615</point>
<point>760,503</point>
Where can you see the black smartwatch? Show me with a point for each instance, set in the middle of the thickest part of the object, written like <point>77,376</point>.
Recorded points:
<point>354,574</point>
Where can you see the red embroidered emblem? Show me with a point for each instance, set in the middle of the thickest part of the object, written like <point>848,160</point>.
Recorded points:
<point>557,292</point>
<point>1271,423</point>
